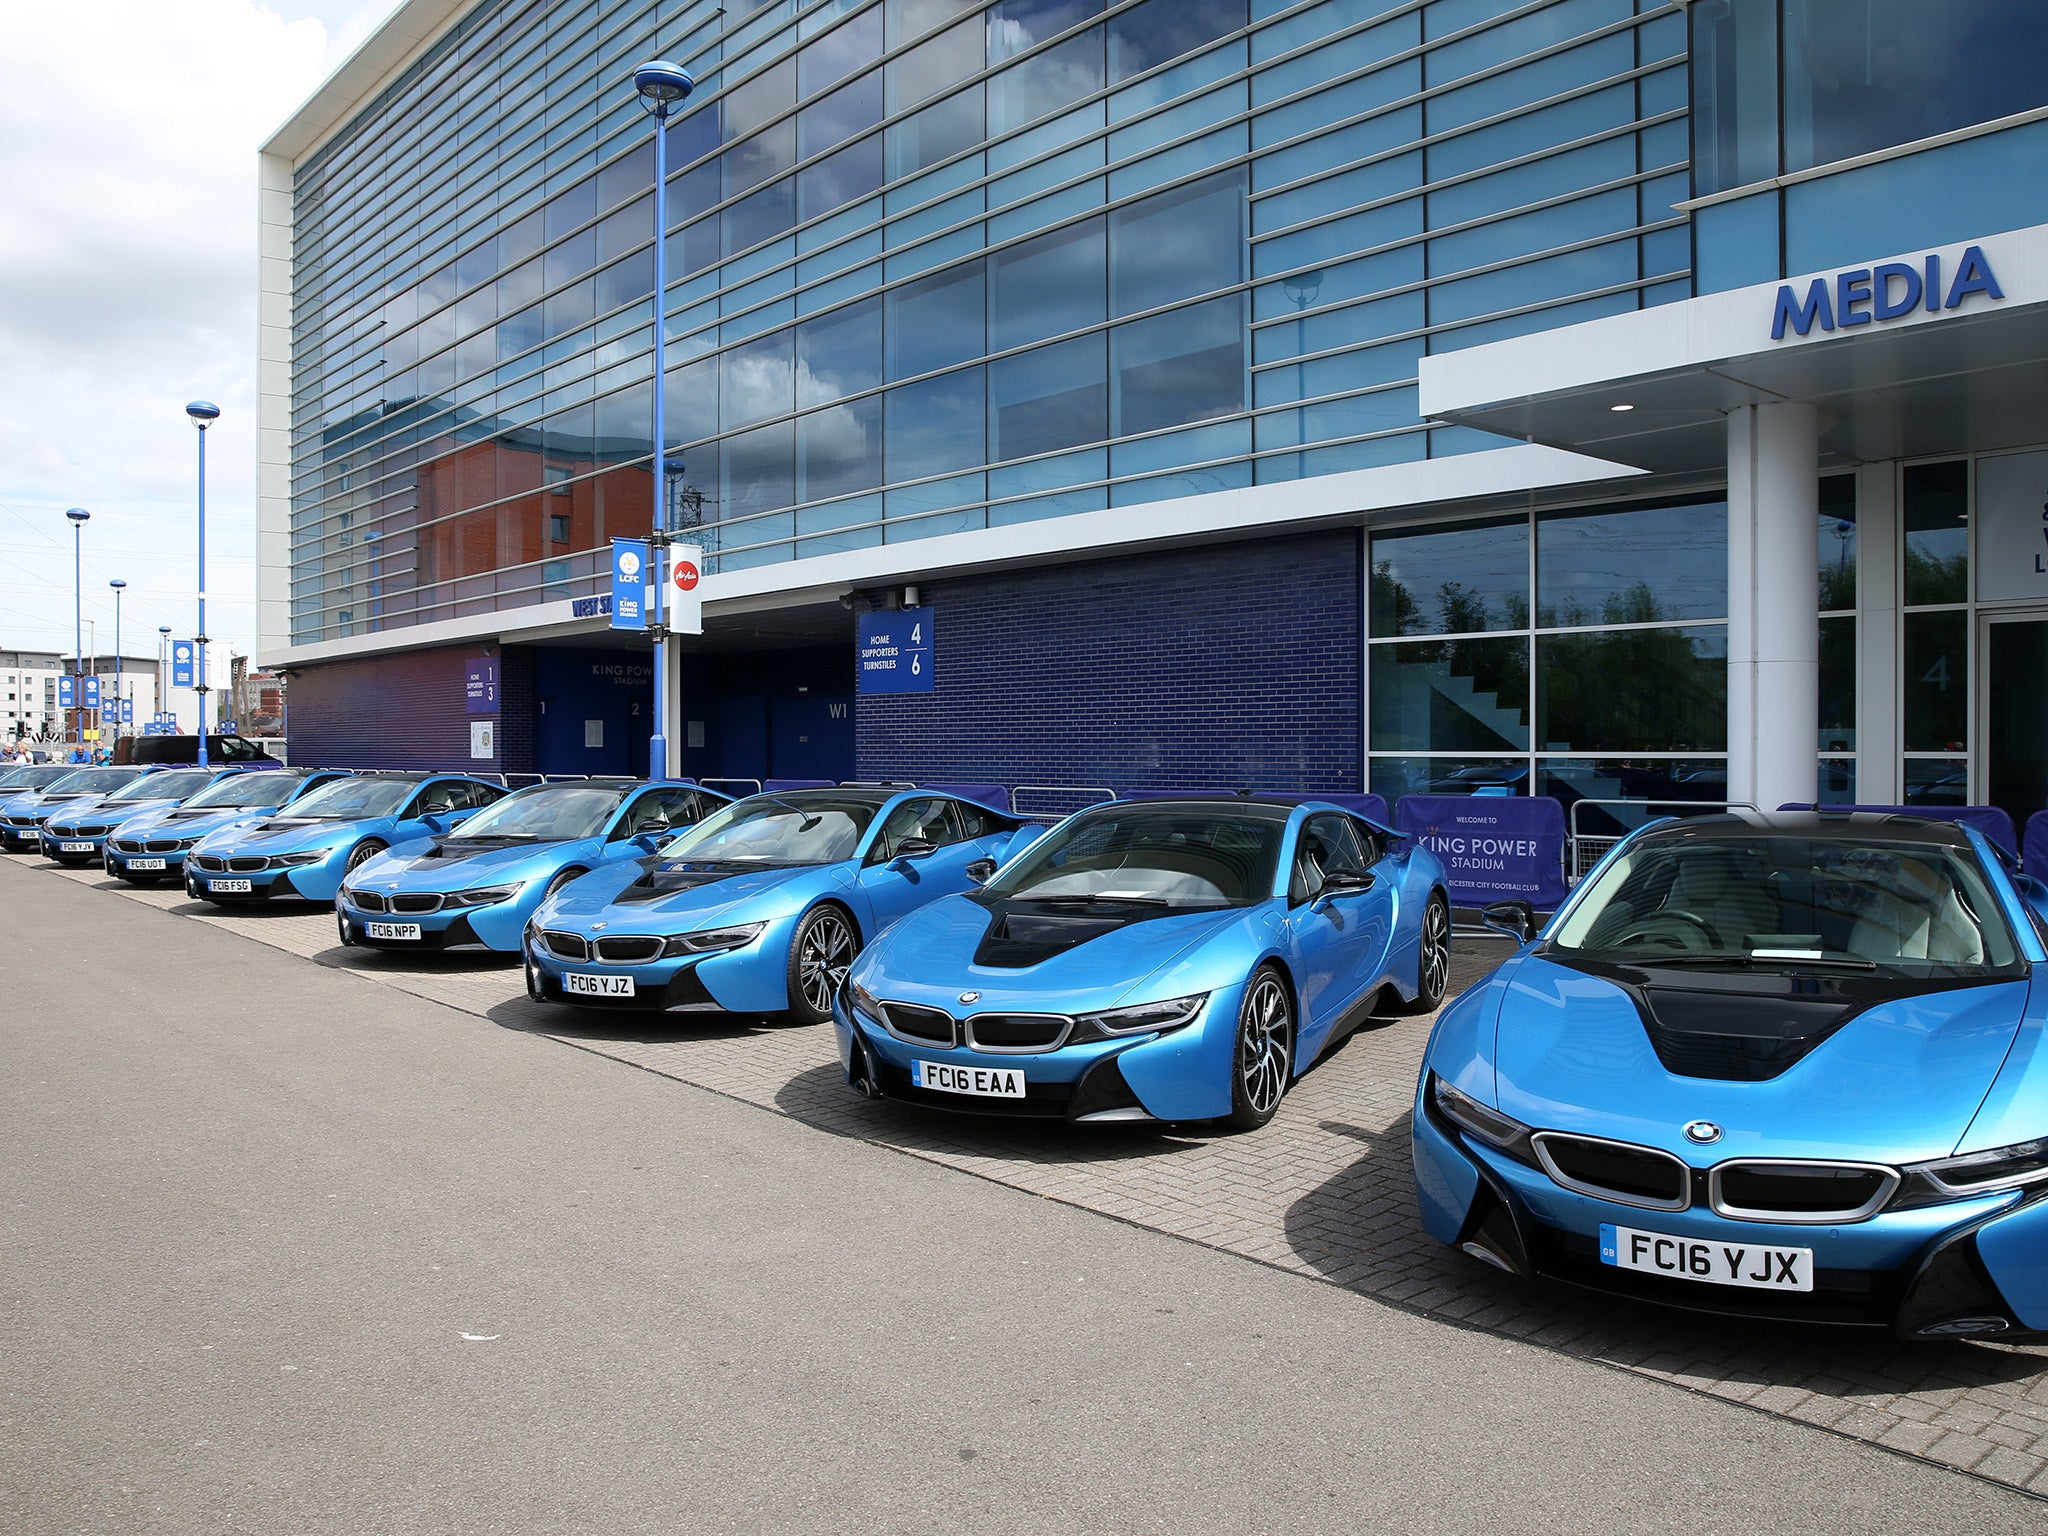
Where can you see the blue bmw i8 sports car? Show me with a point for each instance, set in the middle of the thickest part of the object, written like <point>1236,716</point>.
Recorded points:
<point>309,848</point>
<point>1792,1066</point>
<point>1166,959</point>
<point>22,814</point>
<point>76,833</point>
<point>479,885</point>
<point>761,907</point>
<point>153,845</point>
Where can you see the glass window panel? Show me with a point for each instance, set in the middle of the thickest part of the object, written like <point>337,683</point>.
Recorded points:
<point>935,65</point>
<point>473,310</point>
<point>476,266</point>
<point>937,320</point>
<point>840,178</point>
<point>943,129</point>
<point>517,333</point>
<point>764,97</point>
<point>1451,695</point>
<point>839,354</point>
<point>1634,566</point>
<point>1937,679</point>
<point>1937,781</point>
<point>693,191</point>
<point>1177,244</point>
<point>1836,782</point>
<point>758,474</point>
<point>566,210</point>
<point>1015,25</point>
<point>520,241</point>
<point>839,450</point>
<point>1671,779</point>
<point>571,258</point>
<point>757,379</point>
<point>839,52</point>
<point>1838,684</point>
<point>1181,366</point>
<point>914,18</point>
<point>695,134</point>
<point>847,112</point>
<point>1493,95</point>
<point>1049,398</point>
<point>478,355</point>
<point>1864,75</point>
<point>1633,690</point>
<point>1394,777</point>
<point>752,161</point>
<point>691,404</point>
<point>935,427</point>
<point>629,227</point>
<point>1045,82</point>
<point>1837,543</point>
<point>630,173</point>
<point>1451,580</point>
<point>1048,286</point>
<point>625,421</point>
<point>1150,34</point>
<point>1937,498</point>
<point>761,216</point>
<point>1527,132</point>
<point>624,281</point>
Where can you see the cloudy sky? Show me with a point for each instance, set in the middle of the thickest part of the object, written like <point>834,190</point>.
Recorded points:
<point>128,135</point>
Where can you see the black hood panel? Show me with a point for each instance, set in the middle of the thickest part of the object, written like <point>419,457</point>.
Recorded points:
<point>1022,934</point>
<point>657,880</point>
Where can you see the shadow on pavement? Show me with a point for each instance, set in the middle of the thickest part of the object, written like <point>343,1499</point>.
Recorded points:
<point>527,1017</point>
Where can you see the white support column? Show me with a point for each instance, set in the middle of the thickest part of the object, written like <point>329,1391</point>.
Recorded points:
<point>1773,603</point>
<point>1879,776</point>
<point>671,677</point>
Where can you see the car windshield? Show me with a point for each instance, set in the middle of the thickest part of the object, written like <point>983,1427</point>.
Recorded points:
<point>548,813</point>
<point>1784,902</point>
<point>1182,856</point>
<point>778,829</point>
<point>163,786</point>
<point>349,799</point>
<point>245,791</point>
<point>37,776</point>
<point>94,781</point>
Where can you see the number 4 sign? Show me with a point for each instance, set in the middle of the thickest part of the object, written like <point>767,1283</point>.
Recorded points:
<point>894,652</point>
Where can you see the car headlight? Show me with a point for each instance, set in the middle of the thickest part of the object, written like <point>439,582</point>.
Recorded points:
<point>711,939</point>
<point>293,860</point>
<point>482,896</point>
<point>865,1003</point>
<point>1140,1019</point>
<point>1502,1132</point>
<point>2019,1166</point>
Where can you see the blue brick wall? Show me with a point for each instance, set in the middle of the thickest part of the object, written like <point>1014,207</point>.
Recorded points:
<point>1232,665</point>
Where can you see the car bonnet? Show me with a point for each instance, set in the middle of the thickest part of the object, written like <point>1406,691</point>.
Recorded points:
<point>655,895</point>
<point>1899,1081</point>
<point>445,864</point>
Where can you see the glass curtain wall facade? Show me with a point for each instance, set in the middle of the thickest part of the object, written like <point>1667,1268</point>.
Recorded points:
<point>938,265</point>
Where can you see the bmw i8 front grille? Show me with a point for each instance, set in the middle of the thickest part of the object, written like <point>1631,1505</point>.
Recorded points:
<point>931,1025</point>
<point>1615,1170</point>
<point>1017,1033</point>
<point>565,946</point>
<point>247,866</point>
<point>1789,1190</point>
<point>369,901</point>
<point>430,902</point>
<point>213,864</point>
<point>127,845</point>
<point>628,948</point>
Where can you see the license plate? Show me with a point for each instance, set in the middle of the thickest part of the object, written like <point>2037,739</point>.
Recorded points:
<point>1759,1266</point>
<point>74,847</point>
<point>229,887</point>
<point>985,1082</point>
<point>145,863</point>
<point>597,986</point>
<point>392,930</point>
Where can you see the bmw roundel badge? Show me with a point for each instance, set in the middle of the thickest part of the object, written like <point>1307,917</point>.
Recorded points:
<point>970,997</point>
<point>1702,1131</point>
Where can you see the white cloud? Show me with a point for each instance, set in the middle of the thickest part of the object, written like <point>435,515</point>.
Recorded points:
<point>128,137</point>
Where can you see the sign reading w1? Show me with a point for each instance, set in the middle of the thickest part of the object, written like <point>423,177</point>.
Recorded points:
<point>1888,291</point>
<point>893,653</point>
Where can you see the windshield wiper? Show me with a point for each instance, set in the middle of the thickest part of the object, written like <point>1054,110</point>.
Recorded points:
<point>1748,962</point>
<point>1096,898</point>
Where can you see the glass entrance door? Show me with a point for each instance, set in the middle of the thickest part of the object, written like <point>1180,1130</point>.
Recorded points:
<point>2015,651</point>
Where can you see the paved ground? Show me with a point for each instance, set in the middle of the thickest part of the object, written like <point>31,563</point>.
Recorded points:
<point>1323,1191</point>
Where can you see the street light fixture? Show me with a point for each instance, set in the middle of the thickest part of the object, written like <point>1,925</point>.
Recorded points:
<point>119,586</point>
<point>79,518</point>
<point>203,414</point>
<point>662,88</point>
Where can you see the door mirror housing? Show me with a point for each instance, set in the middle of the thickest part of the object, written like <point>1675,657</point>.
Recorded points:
<point>1347,882</point>
<point>916,848</point>
<point>980,871</point>
<point>1516,919</point>
<point>435,822</point>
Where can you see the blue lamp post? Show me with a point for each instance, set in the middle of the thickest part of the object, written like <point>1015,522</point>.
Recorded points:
<point>79,517</point>
<point>203,413</point>
<point>119,586</point>
<point>163,676</point>
<point>663,87</point>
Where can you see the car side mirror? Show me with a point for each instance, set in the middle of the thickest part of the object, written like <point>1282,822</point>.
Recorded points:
<point>916,848</point>
<point>434,821</point>
<point>980,871</point>
<point>1516,919</point>
<point>650,839</point>
<point>1347,882</point>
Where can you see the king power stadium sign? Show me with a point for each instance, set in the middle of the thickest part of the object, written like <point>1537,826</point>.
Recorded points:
<point>1890,290</point>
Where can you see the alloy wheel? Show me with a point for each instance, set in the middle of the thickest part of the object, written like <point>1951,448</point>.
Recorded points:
<point>1436,951</point>
<point>1262,1044</point>
<point>824,955</point>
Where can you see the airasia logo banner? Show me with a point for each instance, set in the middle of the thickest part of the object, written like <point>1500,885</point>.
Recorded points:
<point>1493,847</point>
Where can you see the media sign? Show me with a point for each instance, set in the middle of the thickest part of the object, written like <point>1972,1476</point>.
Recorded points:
<point>894,651</point>
<point>1888,291</point>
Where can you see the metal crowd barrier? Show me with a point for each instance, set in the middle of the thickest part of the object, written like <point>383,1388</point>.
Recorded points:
<point>1584,848</point>
<point>744,786</point>
<point>1063,800</point>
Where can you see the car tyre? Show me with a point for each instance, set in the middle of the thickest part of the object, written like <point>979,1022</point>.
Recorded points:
<point>561,880</point>
<point>1262,1055</point>
<point>820,955</point>
<point>1432,958</point>
<point>360,855</point>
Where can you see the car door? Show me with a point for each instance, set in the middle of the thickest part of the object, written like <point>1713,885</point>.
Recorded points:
<point>901,874</point>
<point>430,811</point>
<point>1338,935</point>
